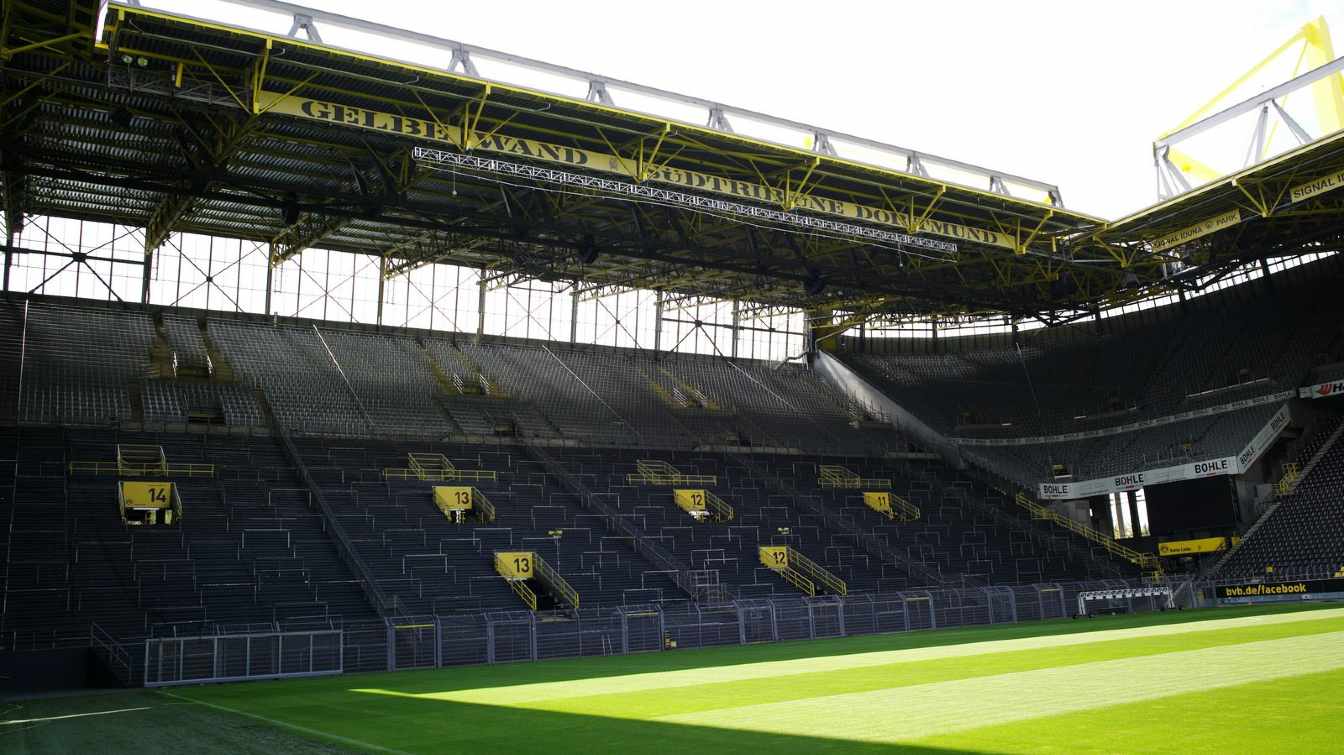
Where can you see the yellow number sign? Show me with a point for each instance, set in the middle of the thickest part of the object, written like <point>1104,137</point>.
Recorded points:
<point>775,556</point>
<point>690,500</point>
<point>147,495</point>
<point>878,501</point>
<point>514,564</point>
<point>452,498</point>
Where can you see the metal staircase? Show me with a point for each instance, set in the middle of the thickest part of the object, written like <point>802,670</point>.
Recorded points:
<point>701,584</point>
<point>842,524</point>
<point>1149,563</point>
<point>801,571</point>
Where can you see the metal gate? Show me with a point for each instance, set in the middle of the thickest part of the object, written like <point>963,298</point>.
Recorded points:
<point>827,615</point>
<point>412,642</point>
<point>1002,605</point>
<point>510,636</point>
<point>756,621</point>
<point>641,628</point>
<point>919,611</point>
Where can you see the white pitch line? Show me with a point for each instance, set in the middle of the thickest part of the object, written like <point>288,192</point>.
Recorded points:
<point>524,694</point>
<point>904,714</point>
<point>290,726</point>
<point>71,715</point>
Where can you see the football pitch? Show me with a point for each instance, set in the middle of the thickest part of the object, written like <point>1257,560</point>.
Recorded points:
<point>1226,680</point>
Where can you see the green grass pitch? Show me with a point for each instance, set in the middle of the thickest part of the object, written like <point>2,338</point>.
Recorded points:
<point>1227,680</point>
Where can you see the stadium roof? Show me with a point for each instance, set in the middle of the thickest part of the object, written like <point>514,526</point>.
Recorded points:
<point>180,124</point>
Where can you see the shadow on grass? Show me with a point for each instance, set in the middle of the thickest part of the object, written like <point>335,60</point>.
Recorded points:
<point>406,723</point>
<point>592,667</point>
<point>401,711</point>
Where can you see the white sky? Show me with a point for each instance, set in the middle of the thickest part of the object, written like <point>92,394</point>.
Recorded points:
<point>1067,92</point>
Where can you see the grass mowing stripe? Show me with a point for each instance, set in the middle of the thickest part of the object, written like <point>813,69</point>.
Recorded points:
<point>324,714</point>
<point>666,686</point>
<point>1299,714</point>
<point>908,713</point>
<point>570,670</point>
<point>691,698</point>
<point>290,726</point>
<point>624,684</point>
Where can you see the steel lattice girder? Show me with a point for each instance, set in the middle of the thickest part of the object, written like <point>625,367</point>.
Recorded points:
<point>104,141</point>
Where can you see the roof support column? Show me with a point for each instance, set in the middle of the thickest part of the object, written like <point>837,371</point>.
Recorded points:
<point>145,266</point>
<point>270,276</point>
<point>821,332</point>
<point>658,322</point>
<point>737,324</point>
<point>480,305</point>
<point>1269,279</point>
<point>574,313</point>
<point>9,255</point>
<point>382,282</point>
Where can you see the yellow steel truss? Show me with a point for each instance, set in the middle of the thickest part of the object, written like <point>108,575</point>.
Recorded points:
<point>1327,94</point>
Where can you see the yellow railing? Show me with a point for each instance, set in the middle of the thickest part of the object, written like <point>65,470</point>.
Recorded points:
<point>667,397</point>
<point>524,593</point>
<point>404,473</point>
<point>691,392</point>
<point>483,505</point>
<point>703,505</point>
<point>658,472</point>
<point>831,476</point>
<point>1291,472</point>
<point>1149,563</point>
<point>456,502</point>
<point>130,470</point>
<point>891,505</point>
<point>140,459</point>
<point>903,510</point>
<point>723,511</point>
<point>424,463</point>
<point>436,467</point>
<point>517,567</point>
<point>814,571</point>
<point>676,479</point>
<point>800,571</point>
<point>94,467</point>
<point>552,579</point>
<point>835,476</point>
<point>797,579</point>
<point>449,383</point>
